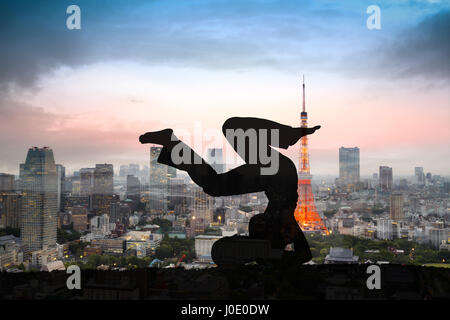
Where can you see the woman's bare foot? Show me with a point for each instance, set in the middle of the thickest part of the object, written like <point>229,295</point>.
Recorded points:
<point>162,137</point>
<point>297,133</point>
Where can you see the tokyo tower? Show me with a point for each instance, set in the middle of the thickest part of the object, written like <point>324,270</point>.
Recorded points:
<point>306,212</point>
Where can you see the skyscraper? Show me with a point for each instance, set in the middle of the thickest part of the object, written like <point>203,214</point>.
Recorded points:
<point>202,205</point>
<point>158,183</point>
<point>10,207</point>
<point>133,187</point>
<point>349,168</point>
<point>396,207</point>
<point>86,181</point>
<point>61,176</point>
<point>6,182</point>
<point>385,178</point>
<point>103,179</point>
<point>39,201</point>
<point>419,175</point>
<point>123,171</point>
<point>215,159</point>
<point>103,188</point>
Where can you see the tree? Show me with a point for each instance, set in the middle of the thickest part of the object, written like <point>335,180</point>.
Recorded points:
<point>164,251</point>
<point>8,230</point>
<point>164,224</point>
<point>77,248</point>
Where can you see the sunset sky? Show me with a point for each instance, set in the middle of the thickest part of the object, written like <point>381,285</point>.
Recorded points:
<point>138,66</point>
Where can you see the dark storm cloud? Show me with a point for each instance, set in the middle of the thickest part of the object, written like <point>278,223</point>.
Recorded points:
<point>423,50</point>
<point>213,35</point>
<point>220,35</point>
<point>30,43</point>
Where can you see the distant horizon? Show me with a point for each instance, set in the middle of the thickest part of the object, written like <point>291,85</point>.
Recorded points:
<point>116,167</point>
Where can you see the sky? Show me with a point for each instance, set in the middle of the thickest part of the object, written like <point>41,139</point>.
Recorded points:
<point>138,66</point>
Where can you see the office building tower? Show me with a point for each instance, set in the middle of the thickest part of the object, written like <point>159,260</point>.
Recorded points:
<point>349,168</point>
<point>419,176</point>
<point>158,183</point>
<point>215,159</point>
<point>123,171</point>
<point>6,182</point>
<point>79,218</point>
<point>144,174</point>
<point>178,196</point>
<point>202,205</point>
<point>103,188</point>
<point>10,207</point>
<point>385,178</point>
<point>396,207</point>
<point>103,179</point>
<point>133,187</point>
<point>39,200</point>
<point>61,177</point>
<point>86,181</point>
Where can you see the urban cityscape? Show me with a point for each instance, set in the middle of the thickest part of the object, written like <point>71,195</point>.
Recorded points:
<point>154,216</point>
<point>95,96</point>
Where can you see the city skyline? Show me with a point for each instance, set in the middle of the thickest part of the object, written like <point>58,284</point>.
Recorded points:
<point>88,94</point>
<point>116,168</point>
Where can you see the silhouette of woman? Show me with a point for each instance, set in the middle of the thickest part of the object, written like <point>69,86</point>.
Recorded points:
<point>277,224</point>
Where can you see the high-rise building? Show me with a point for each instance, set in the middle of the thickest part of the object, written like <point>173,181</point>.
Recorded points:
<point>123,171</point>
<point>133,187</point>
<point>385,178</point>
<point>144,174</point>
<point>79,218</point>
<point>86,181</point>
<point>215,159</point>
<point>103,188</point>
<point>202,205</point>
<point>158,183</point>
<point>39,202</point>
<point>419,176</point>
<point>103,179</point>
<point>73,186</point>
<point>349,168</point>
<point>61,176</point>
<point>6,182</point>
<point>396,207</point>
<point>10,207</point>
<point>178,196</point>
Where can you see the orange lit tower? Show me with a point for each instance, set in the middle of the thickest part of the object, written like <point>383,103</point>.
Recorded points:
<point>306,213</point>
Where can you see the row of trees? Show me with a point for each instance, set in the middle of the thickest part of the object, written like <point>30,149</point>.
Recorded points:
<point>128,262</point>
<point>175,248</point>
<point>63,235</point>
<point>414,253</point>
